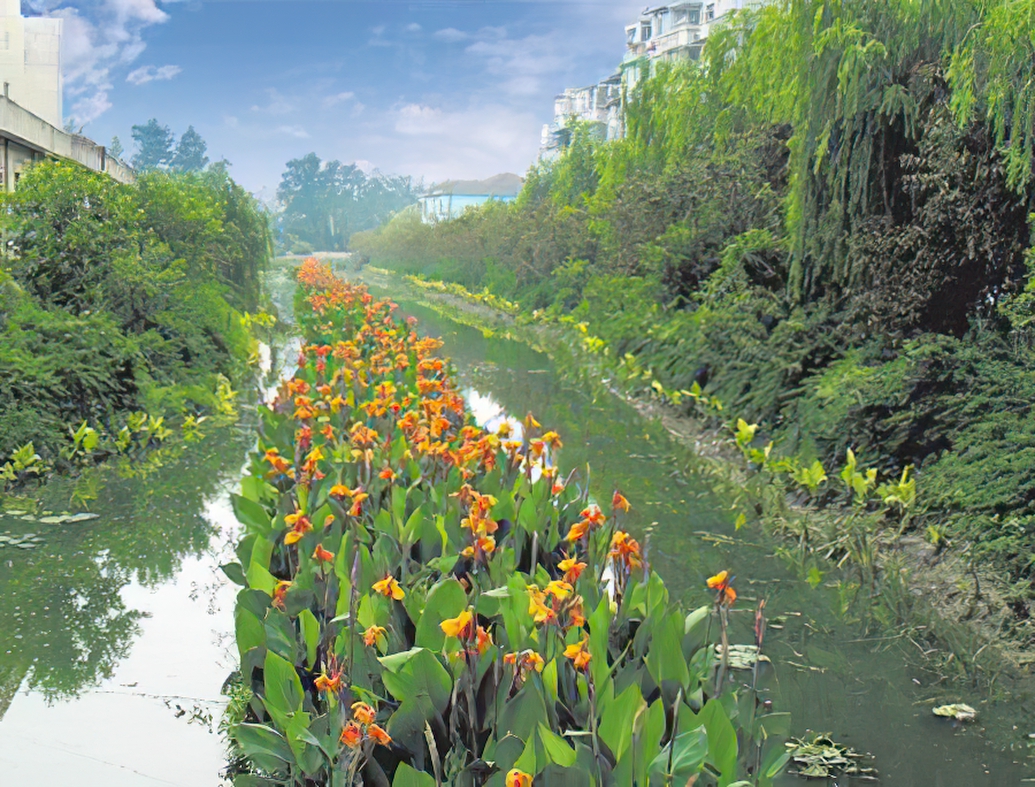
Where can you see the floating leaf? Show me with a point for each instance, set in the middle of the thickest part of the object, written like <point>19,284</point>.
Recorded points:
<point>958,711</point>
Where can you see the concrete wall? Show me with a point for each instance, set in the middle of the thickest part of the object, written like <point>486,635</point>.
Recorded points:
<point>30,61</point>
<point>26,137</point>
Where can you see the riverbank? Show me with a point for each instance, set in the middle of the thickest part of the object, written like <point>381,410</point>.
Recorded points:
<point>935,595</point>
<point>126,311</point>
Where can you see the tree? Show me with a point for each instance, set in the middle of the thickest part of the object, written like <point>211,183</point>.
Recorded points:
<point>154,146</point>
<point>326,202</point>
<point>190,152</point>
<point>115,148</point>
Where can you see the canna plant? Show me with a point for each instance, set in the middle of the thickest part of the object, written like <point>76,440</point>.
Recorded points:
<point>426,602</point>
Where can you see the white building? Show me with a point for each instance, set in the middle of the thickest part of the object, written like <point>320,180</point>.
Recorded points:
<point>675,31</point>
<point>450,199</point>
<point>599,105</point>
<point>30,101</point>
<point>30,61</point>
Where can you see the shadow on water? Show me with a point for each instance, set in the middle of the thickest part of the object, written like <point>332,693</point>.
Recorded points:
<point>832,674</point>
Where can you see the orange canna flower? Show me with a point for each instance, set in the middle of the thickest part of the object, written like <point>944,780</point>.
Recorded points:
<point>388,474</point>
<point>537,607</point>
<point>625,550</point>
<point>719,581</point>
<point>357,502</point>
<point>578,654</point>
<point>300,525</point>
<point>458,627</point>
<point>525,661</point>
<point>379,735</point>
<point>340,490</point>
<point>389,588</point>
<point>618,501</point>
<point>722,582</point>
<point>572,569</point>
<point>322,554</point>
<point>362,713</point>
<point>352,735</point>
<point>578,531</point>
<point>330,684</point>
<point>558,589</point>
<point>516,778</point>
<point>593,515</point>
<point>372,634</point>
<point>483,640</point>
<point>279,592</point>
<point>553,440</point>
<point>483,546</point>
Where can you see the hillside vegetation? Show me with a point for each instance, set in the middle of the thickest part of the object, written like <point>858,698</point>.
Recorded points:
<point>825,224</point>
<point>117,299</point>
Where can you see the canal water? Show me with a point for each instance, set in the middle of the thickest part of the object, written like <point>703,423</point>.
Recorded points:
<point>116,632</point>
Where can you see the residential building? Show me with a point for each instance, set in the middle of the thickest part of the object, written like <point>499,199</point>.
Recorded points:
<point>675,31</point>
<point>30,101</point>
<point>30,61</point>
<point>599,105</point>
<point>448,200</point>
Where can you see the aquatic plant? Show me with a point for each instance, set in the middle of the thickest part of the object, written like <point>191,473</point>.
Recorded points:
<point>429,602</point>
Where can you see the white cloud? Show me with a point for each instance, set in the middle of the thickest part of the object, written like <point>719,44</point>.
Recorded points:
<point>338,98</point>
<point>450,35</point>
<point>279,104</point>
<point>145,74</point>
<point>91,105</point>
<point>526,65</point>
<point>293,131</point>
<point>413,27</point>
<point>477,142</point>
<point>99,36</point>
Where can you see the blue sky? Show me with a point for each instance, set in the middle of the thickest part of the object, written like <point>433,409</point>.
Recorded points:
<point>434,89</point>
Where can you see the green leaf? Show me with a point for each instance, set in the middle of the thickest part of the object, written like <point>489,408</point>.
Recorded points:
<point>556,748</point>
<point>234,572</point>
<point>722,741</point>
<point>280,634</point>
<point>665,660</point>
<point>311,634</point>
<point>528,517</point>
<point>249,631</point>
<point>688,753</point>
<point>422,685</point>
<point>282,685</point>
<point>406,776</point>
<point>411,531</point>
<point>524,712</point>
<point>447,599</point>
<point>251,514</point>
<point>617,720</point>
<point>258,739</point>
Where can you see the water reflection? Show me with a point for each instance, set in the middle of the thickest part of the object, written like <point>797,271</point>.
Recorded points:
<point>65,623</point>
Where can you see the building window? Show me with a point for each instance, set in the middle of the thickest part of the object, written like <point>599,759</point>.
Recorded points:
<point>645,32</point>
<point>709,12</point>
<point>695,16</point>
<point>630,35</point>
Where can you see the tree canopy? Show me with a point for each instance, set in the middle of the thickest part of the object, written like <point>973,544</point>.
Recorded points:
<point>324,203</point>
